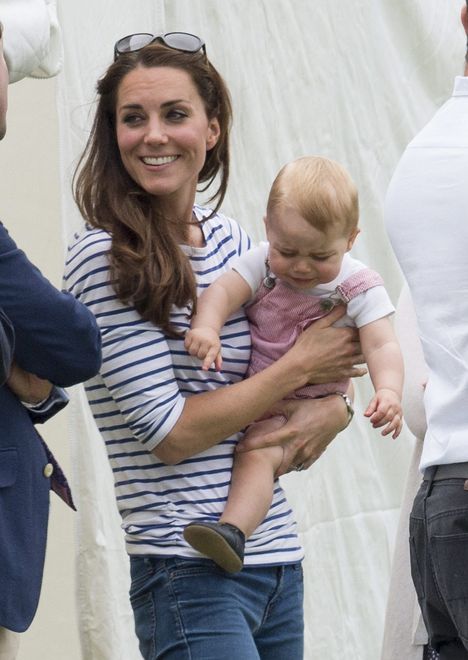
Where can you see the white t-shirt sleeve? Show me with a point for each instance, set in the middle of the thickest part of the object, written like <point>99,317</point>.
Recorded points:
<point>370,306</point>
<point>251,266</point>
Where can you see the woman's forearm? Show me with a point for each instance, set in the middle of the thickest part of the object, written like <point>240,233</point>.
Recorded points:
<point>321,352</point>
<point>210,417</point>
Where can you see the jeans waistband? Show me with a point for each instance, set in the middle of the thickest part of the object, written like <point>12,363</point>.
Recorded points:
<point>449,471</point>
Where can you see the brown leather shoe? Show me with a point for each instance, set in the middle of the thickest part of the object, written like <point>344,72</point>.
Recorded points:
<point>221,542</point>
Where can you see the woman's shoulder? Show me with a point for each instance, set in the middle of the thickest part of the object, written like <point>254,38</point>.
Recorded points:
<point>219,224</point>
<point>87,253</point>
<point>88,242</point>
<point>88,236</point>
<point>205,214</point>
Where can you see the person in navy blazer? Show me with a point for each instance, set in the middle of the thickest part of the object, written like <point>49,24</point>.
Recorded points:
<point>54,340</point>
<point>7,343</point>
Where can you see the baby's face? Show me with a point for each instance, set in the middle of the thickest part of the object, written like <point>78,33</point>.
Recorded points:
<point>301,255</point>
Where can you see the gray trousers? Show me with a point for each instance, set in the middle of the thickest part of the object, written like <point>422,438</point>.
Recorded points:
<point>439,561</point>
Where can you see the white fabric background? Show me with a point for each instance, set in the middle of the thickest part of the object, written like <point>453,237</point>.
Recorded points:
<point>352,80</point>
<point>32,39</point>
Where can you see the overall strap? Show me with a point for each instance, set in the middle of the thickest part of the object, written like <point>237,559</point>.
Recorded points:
<point>352,287</point>
<point>358,283</point>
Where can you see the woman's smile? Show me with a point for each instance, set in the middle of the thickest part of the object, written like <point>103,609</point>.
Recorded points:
<point>158,160</point>
<point>163,132</point>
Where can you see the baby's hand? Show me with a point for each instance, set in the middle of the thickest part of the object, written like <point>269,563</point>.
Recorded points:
<point>204,344</point>
<point>385,408</point>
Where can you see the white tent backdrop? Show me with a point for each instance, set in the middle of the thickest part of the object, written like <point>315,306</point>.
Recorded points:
<point>351,80</point>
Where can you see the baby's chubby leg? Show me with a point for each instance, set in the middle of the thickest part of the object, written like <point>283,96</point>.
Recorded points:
<point>249,500</point>
<point>253,476</point>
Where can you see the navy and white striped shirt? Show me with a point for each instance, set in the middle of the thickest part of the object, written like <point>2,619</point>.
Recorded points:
<point>139,394</point>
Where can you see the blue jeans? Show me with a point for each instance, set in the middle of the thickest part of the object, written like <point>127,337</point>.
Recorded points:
<point>439,563</point>
<point>191,609</point>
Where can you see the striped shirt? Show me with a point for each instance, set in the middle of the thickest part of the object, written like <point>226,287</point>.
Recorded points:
<point>139,394</point>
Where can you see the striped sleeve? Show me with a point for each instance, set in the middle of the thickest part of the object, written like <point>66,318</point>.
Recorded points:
<point>137,369</point>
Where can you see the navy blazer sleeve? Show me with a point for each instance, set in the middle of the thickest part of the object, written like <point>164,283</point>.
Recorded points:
<point>42,412</point>
<point>7,344</point>
<point>56,336</point>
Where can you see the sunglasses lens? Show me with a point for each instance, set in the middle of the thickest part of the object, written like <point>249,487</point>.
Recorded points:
<point>133,42</point>
<point>188,43</point>
<point>183,41</point>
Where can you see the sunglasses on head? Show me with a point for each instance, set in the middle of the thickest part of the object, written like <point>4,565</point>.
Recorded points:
<point>183,41</point>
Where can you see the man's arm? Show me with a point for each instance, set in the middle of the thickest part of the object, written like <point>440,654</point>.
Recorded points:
<point>42,399</point>
<point>57,337</point>
<point>7,343</point>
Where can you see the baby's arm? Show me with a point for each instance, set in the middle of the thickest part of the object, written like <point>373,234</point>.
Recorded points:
<point>214,306</point>
<point>385,362</point>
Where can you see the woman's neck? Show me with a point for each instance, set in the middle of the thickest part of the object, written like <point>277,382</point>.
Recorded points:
<point>181,212</point>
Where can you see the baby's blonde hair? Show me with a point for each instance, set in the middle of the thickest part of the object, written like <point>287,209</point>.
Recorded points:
<point>321,191</point>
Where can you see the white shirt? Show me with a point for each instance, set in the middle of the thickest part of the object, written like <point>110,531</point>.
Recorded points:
<point>427,219</point>
<point>365,308</point>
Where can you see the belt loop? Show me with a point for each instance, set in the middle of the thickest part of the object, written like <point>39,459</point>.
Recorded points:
<point>429,474</point>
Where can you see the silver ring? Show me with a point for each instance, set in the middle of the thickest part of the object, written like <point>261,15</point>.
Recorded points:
<point>299,467</point>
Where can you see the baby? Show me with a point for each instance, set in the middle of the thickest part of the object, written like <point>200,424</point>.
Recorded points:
<point>286,284</point>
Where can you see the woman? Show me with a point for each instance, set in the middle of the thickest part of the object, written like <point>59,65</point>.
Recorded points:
<point>161,129</point>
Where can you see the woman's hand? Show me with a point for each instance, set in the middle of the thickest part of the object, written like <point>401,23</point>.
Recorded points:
<point>321,354</point>
<point>310,427</point>
<point>327,353</point>
<point>28,387</point>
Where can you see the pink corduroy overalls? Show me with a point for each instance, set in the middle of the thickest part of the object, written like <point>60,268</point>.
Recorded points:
<point>278,314</point>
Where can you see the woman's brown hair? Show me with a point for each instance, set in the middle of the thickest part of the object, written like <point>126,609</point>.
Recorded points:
<point>147,267</point>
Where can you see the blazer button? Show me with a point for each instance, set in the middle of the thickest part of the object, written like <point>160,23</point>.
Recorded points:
<point>48,470</point>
